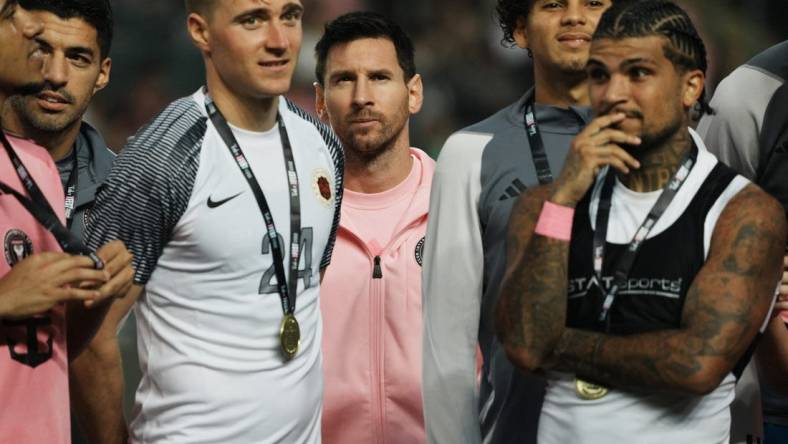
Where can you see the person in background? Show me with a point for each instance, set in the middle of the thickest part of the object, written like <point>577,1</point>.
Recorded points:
<point>749,132</point>
<point>479,174</point>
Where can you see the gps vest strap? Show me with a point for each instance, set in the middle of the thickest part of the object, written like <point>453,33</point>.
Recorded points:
<point>624,264</point>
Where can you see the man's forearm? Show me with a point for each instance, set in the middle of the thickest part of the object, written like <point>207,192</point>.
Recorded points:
<point>96,383</point>
<point>83,323</point>
<point>657,360</point>
<point>532,308</point>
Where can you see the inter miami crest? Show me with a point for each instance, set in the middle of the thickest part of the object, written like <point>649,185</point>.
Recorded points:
<point>420,251</point>
<point>322,186</point>
<point>17,246</point>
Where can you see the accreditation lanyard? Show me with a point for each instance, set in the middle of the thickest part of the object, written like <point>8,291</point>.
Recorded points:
<point>624,265</point>
<point>287,293</point>
<point>542,166</point>
<point>71,190</point>
<point>39,207</point>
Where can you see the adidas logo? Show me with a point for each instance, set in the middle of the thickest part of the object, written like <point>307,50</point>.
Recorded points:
<point>513,190</point>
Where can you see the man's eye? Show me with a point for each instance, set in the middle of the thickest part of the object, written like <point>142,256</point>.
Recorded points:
<point>597,74</point>
<point>638,73</point>
<point>250,21</point>
<point>292,16</point>
<point>80,61</point>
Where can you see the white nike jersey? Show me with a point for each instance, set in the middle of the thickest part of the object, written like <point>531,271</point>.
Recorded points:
<point>208,321</point>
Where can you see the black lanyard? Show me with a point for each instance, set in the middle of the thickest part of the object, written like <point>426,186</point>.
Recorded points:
<point>39,207</point>
<point>71,190</point>
<point>542,166</point>
<point>286,293</point>
<point>624,265</point>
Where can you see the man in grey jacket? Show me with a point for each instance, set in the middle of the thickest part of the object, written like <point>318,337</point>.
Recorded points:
<point>480,171</point>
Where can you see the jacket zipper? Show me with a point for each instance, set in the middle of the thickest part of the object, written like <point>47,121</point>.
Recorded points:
<point>377,353</point>
<point>377,272</point>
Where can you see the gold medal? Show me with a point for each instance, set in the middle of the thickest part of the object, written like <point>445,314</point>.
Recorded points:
<point>588,391</point>
<point>289,336</point>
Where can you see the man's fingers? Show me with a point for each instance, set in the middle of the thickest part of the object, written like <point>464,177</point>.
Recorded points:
<point>603,122</point>
<point>111,249</point>
<point>614,136</point>
<point>68,262</point>
<point>618,164</point>
<point>118,262</point>
<point>45,258</point>
<point>606,153</point>
<point>116,284</point>
<point>75,294</point>
<point>75,276</point>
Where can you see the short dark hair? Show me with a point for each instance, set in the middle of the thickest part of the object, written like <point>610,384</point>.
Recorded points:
<point>97,13</point>
<point>360,25</point>
<point>642,18</point>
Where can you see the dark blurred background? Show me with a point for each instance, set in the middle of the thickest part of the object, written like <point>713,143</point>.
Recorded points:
<point>467,73</point>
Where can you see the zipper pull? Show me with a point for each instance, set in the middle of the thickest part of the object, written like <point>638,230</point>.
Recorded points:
<point>377,272</point>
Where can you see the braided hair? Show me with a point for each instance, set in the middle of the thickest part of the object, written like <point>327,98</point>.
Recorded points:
<point>642,18</point>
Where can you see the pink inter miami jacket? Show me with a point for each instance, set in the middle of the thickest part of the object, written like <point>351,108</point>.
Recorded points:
<point>371,307</point>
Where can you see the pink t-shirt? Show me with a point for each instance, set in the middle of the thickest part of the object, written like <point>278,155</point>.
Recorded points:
<point>34,403</point>
<point>369,216</point>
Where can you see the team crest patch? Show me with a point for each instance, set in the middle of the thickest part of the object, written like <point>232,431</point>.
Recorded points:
<point>17,246</point>
<point>420,251</point>
<point>321,184</point>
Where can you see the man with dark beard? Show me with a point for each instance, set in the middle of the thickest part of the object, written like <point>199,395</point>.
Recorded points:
<point>367,89</point>
<point>76,41</point>
<point>632,280</point>
<point>37,278</point>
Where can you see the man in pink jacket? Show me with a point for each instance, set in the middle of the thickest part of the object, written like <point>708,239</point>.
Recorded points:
<point>367,88</point>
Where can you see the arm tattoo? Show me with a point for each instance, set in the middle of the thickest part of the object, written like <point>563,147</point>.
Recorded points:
<point>531,310</point>
<point>724,308</point>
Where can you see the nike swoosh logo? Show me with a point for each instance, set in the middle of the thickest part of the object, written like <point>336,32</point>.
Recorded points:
<point>214,204</point>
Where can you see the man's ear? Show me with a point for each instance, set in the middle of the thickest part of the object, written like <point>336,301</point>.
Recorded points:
<point>415,94</point>
<point>694,82</point>
<point>320,103</point>
<point>520,35</point>
<point>198,31</point>
<point>103,78</point>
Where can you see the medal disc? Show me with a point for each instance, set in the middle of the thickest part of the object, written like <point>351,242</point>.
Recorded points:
<point>290,336</point>
<point>588,391</point>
